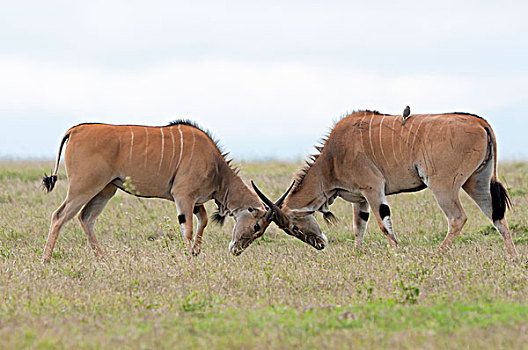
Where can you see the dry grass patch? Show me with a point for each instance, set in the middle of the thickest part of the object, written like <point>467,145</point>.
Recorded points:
<point>280,293</point>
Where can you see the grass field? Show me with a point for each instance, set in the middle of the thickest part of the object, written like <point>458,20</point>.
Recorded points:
<point>280,293</point>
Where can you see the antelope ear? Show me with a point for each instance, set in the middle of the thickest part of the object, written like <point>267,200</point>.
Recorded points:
<point>254,211</point>
<point>302,213</point>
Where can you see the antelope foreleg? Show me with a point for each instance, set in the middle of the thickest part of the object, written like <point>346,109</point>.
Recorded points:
<point>380,207</point>
<point>386,223</point>
<point>201,214</point>
<point>361,216</point>
<point>186,226</point>
<point>185,219</point>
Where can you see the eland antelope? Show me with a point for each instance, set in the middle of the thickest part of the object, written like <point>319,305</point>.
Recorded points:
<point>369,155</point>
<point>179,162</point>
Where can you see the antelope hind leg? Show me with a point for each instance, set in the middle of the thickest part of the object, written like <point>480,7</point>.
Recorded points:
<point>456,217</point>
<point>63,214</point>
<point>91,211</point>
<point>478,188</point>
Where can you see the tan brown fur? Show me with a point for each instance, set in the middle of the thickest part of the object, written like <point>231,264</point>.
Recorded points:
<point>179,162</point>
<point>369,155</point>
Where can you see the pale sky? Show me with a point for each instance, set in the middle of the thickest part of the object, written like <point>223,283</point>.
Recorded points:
<point>268,78</point>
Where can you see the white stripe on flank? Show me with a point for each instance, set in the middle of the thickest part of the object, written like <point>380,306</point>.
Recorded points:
<point>131,143</point>
<point>409,133</point>
<point>192,149</point>
<point>162,149</point>
<point>424,147</point>
<point>370,137</point>
<point>173,147</point>
<point>401,139</point>
<point>181,146</point>
<point>381,142</point>
<point>146,147</point>
<point>392,138</point>
<point>414,139</point>
<point>361,131</point>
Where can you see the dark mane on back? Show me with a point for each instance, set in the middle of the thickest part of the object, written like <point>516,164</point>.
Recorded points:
<point>209,134</point>
<point>365,110</point>
<point>196,126</point>
<point>301,173</point>
<point>465,113</point>
<point>356,111</point>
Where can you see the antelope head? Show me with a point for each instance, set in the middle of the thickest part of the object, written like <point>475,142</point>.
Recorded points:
<point>249,225</point>
<point>295,222</point>
<point>244,234</point>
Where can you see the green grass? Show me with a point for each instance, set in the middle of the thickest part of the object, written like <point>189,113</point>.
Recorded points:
<point>367,325</point>
<point>280,293</point>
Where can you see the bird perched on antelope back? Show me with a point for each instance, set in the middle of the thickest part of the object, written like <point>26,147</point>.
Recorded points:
<point>406,114</point>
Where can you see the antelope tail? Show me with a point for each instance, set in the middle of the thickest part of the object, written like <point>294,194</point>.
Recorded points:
<point>500,198</point>
<point>48,182</point>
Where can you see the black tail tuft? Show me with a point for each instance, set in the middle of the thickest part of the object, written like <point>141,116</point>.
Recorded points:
<point>329,217</point>
<point>500,200</point>
<point>218,218</point>
<point>49,182</point>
